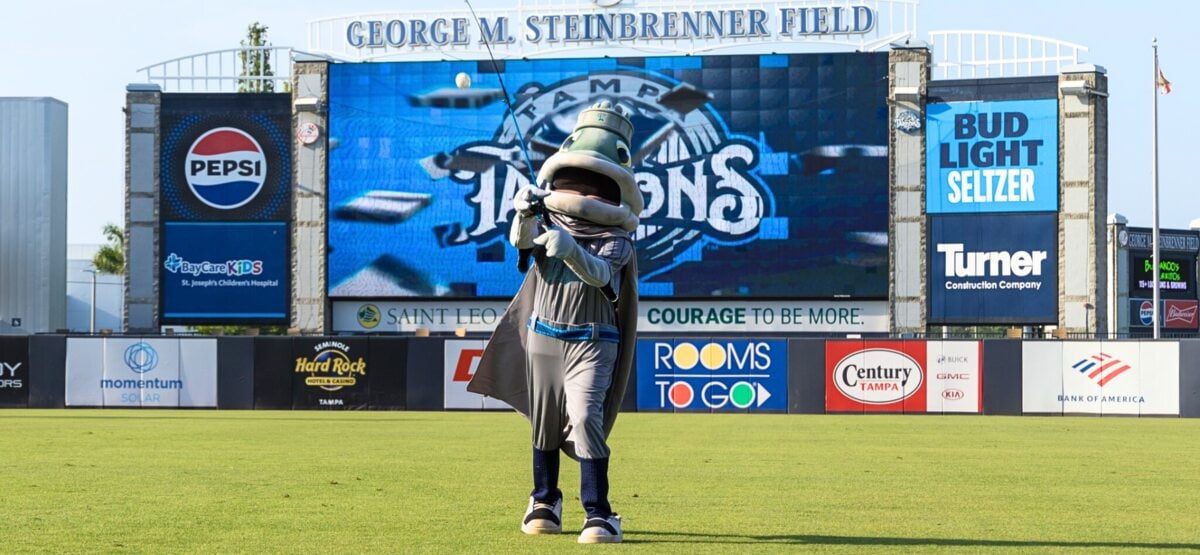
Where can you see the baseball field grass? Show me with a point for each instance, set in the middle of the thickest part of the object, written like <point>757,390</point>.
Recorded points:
<point>90,481</point>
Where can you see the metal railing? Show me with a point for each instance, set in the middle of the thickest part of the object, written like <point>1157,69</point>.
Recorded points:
<point>970,54</point>
<point>229,70</point>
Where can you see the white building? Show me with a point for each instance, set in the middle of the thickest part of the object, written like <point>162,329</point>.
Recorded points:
<point>109,291</point>
<point>33,215</point>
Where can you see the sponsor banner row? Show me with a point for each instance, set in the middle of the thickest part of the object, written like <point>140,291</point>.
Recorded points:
<point>904,376</point>
<point>1091,377</point>
<point>135,372</point>
<point>14,371</point>
<point>653,316</point>
<point>1173,314</point>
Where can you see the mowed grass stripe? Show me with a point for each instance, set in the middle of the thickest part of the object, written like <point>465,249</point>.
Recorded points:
<point>304,482</point>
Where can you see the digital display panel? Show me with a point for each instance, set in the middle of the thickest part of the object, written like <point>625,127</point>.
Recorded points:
<point>764,175</point>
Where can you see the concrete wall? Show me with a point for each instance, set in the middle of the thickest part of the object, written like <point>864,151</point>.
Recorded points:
<point>1083,202</point>
<point>908,71</point>
<point>310,83</point>
<point>142,110</point>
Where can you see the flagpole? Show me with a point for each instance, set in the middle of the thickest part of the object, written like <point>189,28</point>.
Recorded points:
<point>1154,189</point>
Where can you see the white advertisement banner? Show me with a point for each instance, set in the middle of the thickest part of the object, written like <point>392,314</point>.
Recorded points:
<point>461,360</point>
<point>141,372</point>
<point>954,371</point>
<point>1091,377</point>
<point>725,316</point>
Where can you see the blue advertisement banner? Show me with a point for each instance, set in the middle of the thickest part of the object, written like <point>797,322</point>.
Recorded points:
<point>993,269</point>
<point>763,175</point>
<point>226,157</point>
<point>992,156</point>
<point>217,272</point>
<point>712,375</point>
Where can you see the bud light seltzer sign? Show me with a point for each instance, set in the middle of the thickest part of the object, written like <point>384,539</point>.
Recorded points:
<point>993,269</point>
<point>757,183</point>
<point>997,156</point>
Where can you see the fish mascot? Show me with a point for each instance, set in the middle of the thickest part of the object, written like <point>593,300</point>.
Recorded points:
<point>562,353</point>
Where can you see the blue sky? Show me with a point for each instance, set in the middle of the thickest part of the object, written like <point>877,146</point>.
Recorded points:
<point>86,52</point>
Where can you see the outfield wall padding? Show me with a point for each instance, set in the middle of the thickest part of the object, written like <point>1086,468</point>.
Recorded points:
<point>425,381</point>
<point>1002,376</point>
<point>47,371</point>
<point>1189,378</point>
<point>272,375</point>
<point>389,364</point>
<point>14,371</point>
<point>806,376</point>
<point>235,373</point>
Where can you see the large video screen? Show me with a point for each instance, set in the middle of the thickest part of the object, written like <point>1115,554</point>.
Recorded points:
<point>765,176</point>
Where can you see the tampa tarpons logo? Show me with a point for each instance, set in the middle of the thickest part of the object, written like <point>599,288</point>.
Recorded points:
<point>332,367</point>
<point>700,183</point>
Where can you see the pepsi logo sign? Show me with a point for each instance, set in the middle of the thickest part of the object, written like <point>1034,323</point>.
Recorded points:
<point>1146,313</point>
<point>225,168</point>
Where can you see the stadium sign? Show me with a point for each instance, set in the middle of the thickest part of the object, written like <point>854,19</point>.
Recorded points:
<point>130,372</point>
<point>733,375</point>
<point>610,23</point>
<point>459,363</point>
<point>14,371</point>
<point>330,373</point>
<point>733,316</point>
<point>904,376</point>
<point>1089,377</point>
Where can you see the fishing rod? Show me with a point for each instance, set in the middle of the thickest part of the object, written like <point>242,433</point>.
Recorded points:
<point>539,209</point>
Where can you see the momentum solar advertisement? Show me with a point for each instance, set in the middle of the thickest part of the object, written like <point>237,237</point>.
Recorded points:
<point>764,175</point>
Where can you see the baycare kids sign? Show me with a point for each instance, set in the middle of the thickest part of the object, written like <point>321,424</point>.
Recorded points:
<point>992,156</point>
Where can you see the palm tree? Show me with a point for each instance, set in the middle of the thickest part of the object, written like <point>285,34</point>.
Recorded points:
<point>110,259</point>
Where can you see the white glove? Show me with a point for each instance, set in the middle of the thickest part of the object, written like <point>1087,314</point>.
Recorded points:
<point>558,243</point>
<point>523,201</point>
<point>593,270</point>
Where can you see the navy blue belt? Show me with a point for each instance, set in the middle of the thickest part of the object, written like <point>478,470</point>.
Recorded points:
<point>575,332</point>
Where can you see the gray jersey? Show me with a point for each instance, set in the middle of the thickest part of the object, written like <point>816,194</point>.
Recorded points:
<point>565,298</point>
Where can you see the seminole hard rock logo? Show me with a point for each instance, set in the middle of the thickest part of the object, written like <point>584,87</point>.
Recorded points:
<point>332,367</point>
<point>700,184</point>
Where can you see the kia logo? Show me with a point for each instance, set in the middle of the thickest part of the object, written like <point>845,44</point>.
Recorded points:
<point>953,394</point>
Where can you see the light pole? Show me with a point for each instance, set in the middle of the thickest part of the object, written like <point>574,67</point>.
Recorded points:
<point>92,325</point>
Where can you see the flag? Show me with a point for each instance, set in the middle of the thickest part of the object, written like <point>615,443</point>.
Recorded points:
<point>1163,84</point>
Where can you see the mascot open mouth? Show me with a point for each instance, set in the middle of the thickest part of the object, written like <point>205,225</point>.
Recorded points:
<point>586,183</point>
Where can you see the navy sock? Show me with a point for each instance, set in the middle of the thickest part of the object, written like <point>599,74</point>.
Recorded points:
<point>593,487</point>
<point>545,476</point>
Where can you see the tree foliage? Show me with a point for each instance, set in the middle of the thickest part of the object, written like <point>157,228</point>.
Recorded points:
<point>110,259</point>
<point>256,61</point>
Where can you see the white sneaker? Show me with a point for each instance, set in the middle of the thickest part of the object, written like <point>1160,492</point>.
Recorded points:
<point>542,518</point>
<point>601,530</point>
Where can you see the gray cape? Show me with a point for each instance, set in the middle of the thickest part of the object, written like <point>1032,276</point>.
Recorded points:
<point>501,370</point>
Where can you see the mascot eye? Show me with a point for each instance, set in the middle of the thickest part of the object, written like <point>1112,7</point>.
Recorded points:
<point>567,143</point>
<point>623,154</point>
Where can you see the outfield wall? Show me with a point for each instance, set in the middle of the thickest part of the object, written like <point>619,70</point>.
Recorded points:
<point>674,374</point>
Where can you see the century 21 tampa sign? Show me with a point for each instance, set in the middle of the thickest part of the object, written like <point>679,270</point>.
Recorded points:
<point>609,26</point>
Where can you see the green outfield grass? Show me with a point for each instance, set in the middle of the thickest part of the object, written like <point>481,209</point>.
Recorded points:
<point>86,481</point>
